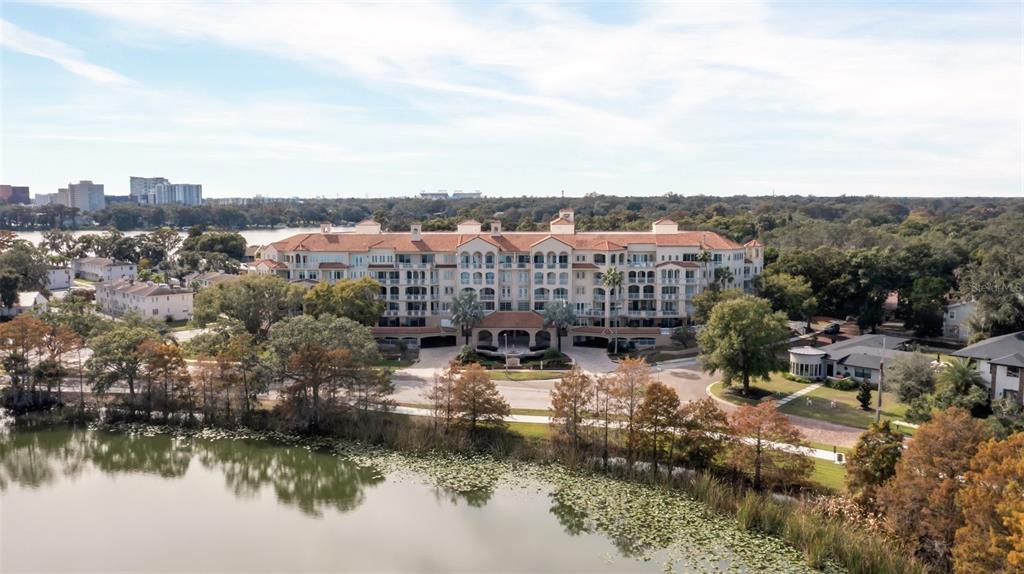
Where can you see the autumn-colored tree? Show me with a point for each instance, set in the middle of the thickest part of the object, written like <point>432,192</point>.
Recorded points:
<point>992,498</point>
<point>20,338</point>
<point>477,398</point>
<point>571,400</point>
<point>628,385</point>
<point>239,361</point>
<point>441,395</point>
<point>873,462</point>
<point>703,432</point>
<point>57,341</point>
<point>603,414</point>
<point>656,420</point>
<point>163,366</point>
<point>761,430</point>
<point>920,501</point>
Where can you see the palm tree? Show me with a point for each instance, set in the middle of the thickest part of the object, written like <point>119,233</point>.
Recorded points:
<point>612,282</point>
<point>961,385</point>
<point>703,257</point>
<point>560,315</point>
<point>466,312</point>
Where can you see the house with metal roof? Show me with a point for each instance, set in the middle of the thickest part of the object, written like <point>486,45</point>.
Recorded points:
<point>860,358</point>
<point>1000,361</point>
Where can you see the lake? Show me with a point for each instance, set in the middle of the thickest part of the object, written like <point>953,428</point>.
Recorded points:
<point>91,501</point>
<point>252,236</point>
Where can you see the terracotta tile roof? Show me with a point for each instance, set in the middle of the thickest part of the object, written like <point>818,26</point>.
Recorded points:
<point>513,320</point>
<point>512,241</point>
<point>584,266</point>
<point>333,265</point>
<point>269,263</point>
<point>753,243</point>
<point>687,264</point>
<point>664,220</point>
<point>561,221</point>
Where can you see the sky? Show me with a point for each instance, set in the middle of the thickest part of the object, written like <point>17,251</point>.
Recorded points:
<point>313,99</point>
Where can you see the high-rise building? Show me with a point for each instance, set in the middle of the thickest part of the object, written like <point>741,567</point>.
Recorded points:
<point>85,195</point>
<point>160,191</point>
<point>141,187</point>
<point>185,193</point>
<point>44,199</point>
<point>14,194</point>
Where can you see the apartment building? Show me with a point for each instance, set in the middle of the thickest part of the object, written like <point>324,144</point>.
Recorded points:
<point>85,195</point>
<point>151,300</point>
<point>516,274</point>
<point>14,194</point>
<point>103,269</point>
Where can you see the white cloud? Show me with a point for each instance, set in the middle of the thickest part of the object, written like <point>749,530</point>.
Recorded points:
<point>14,38</point>
<point>675,89</point>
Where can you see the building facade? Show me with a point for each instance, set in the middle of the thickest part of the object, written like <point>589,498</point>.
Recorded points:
<point>103,269</point>
<point>956,321</point>
<point>150,300</point>
<point>1000,361</point>
<point>517,273</point>
<point>85,195</point>
<point>58,278</point>
<point>14,194</point>
<point>860,358</point>
<point>140,187</point>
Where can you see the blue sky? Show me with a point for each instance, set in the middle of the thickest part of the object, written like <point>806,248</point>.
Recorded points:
<point>386,99</point>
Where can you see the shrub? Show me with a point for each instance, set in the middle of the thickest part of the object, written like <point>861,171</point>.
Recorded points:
<point>467,355</point>
<point>843,384</point>
<point>795,378</point>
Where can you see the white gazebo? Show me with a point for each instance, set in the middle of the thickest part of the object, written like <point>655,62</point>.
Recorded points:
<point>807,362</point>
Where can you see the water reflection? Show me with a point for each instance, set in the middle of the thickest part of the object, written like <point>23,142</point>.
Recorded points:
<point>309,481</point>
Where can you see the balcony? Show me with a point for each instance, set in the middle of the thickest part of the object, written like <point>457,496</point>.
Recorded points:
<point>416,312</point>
<point>415,265</point>
<point>636,313</point>
<point>416,297</point>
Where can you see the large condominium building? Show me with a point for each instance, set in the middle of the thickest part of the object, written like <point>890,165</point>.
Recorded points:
<point>516,274</point>
<point>159,191</point>
<point>85,195</point>
<point>140,187</point>
<point>14,194</point>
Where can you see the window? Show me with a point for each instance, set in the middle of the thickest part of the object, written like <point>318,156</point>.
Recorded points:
<point>1013,372</point>
<point>155,311</point>
<point>1011,395</point>
<point>862,373</point>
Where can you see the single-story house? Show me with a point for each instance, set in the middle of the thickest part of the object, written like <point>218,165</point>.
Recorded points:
<point>58,278</point>
<point>26,301</point>
<point>103,269</point>
<point>956,320</point>
<point>151,300</point>
<point>859,357</point>
<point>1000,361</point>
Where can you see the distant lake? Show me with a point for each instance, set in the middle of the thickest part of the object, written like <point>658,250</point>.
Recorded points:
<point>252,236</point>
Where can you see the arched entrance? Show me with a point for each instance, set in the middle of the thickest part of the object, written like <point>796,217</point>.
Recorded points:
<point>543,339</point>
<point>484,339</point>
<point>513,341</point>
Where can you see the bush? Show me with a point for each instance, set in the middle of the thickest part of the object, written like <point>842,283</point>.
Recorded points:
<point>491,348</point>
<point>552,354</point>
<point>467,355</point>
<point>919,410</point>
<point>843,384</point>
<point>795,378</point>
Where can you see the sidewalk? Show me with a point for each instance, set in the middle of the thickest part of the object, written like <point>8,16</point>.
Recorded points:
<point>537,419</point>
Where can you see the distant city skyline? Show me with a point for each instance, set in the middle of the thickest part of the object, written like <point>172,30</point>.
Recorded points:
<point>378,100</point>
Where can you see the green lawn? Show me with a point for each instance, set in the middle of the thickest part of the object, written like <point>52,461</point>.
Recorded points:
<point>531,430</point>
<point>776,388</point>
<point>393,363</point>
<point>847,410</point>
<point>832,447</point>
<point>829,474</point>
<point>525,375</point>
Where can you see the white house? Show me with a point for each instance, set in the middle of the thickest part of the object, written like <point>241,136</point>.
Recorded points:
<point>58,278</point>
<point>151,300</point>
<point>1000,361</point>
<point>956,320</point>
<point>203,280</point>
<point>103,269</point>
<point>860,358</point>
<point>26,301</point>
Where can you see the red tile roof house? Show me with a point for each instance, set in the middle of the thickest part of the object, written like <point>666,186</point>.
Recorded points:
<point>517,273</point>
